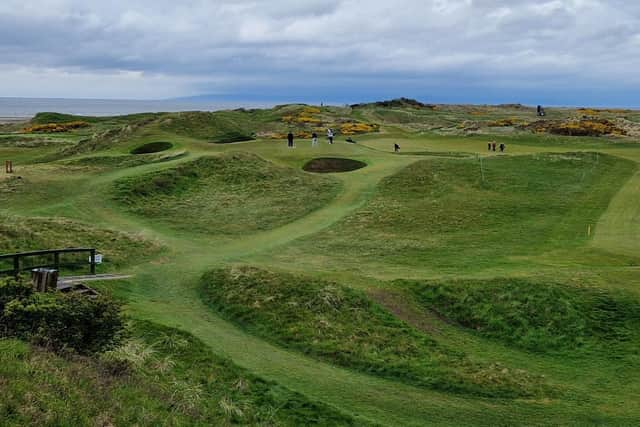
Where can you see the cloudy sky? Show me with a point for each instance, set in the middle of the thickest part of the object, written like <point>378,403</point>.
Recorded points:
<point>563,52</point>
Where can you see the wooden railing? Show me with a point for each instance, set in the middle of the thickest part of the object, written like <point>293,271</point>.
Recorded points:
<point>18,265</point>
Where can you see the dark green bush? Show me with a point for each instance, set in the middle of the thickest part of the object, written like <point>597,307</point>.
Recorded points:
<point>11,289</point>
<point>60,321</point>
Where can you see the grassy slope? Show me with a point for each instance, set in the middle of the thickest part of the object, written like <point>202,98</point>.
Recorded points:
<point>231,194</point>
<point>342,326</point>
<point>173,379</point>
<point>540,317</point>
<point>439,215</point>
<point>168,295</point>
<point>20,234</point>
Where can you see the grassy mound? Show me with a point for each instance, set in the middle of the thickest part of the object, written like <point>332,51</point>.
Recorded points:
<point>20,234</point>
<point>536,316</point>
<point>160,377</point>
<point>152,147</point>
<point>218,127</point>
<point>333,164</point>
<point>231,194</point>
<point>123,161</point>
<point>25,141</point>
<point>451,215</point>
<point>343,326</point>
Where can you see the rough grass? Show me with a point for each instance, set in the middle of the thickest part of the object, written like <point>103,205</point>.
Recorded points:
<point>20,234</point>
<point>441,214</point>
<point>343,326</point>
<point>160,377</point>
<point>231,194</point>
<point>24,141</point>
<point>123,161</point>
<point>218,127</point>
<point>536,316</point>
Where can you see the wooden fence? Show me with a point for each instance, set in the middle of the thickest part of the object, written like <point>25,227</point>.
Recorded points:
<point>18,265</point>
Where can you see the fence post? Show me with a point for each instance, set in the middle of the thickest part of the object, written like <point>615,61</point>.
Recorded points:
<point>56,260</point>
<point>16,266</point>
<point>93,262</point>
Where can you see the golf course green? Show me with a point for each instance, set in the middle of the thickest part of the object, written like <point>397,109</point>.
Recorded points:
<point>444,284</point>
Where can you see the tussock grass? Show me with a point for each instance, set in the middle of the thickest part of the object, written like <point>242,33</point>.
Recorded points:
<point>234,193</point>
<point>219,127</point>
<point>123,161</point>
<point>162,385</point>
<point>21,234</point>
<point>537,316</point>
<point>342,326</point>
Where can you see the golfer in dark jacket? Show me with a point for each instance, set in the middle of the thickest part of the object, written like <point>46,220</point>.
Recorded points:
<point>290,140</point>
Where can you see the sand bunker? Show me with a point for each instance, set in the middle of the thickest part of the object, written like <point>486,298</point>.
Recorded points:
<point>332,165</point>
<point>152,147</point>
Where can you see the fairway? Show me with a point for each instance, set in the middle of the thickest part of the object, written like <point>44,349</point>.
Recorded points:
<point>446,284</point>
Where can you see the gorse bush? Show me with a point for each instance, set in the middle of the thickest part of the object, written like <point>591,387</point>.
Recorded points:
<point>60,321</point>
<point>56,127</point>
<point>582,127</point>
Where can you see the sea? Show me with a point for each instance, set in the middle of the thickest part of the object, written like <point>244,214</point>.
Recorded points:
<point>17,108</point>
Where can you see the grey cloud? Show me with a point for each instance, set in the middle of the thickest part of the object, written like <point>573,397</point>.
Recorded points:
<point>489,43</point>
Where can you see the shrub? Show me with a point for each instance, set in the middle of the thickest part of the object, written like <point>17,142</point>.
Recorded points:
<point>513,121</point>
<point>56,127</point>
<point>11,289</point>
<point>356,128</point>
<point>61,321</point>
<point>584,127</point>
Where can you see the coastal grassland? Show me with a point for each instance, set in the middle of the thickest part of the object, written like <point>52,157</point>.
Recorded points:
<point>341,325</point>
<point>236,193</point>
<point>538,316</point>
<point>21,234</point>
<point>160,376</point>
<point>464,215</point>
<point>561,191</point>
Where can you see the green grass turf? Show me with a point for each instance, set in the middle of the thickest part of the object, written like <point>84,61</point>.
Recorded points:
<point>342,326</point>
<point>235,193</point>
<point>541,317</point>
<point>458,215</point>
<point>597,389</point>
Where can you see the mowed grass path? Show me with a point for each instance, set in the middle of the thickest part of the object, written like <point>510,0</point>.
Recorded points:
<point>164,290</point>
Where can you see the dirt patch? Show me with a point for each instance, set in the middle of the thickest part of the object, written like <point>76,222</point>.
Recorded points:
<point>396,302</point>
<point>332,165</point>
<point>152,147</point>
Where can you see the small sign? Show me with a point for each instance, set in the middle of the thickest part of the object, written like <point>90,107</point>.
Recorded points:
<point>98,259</point>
